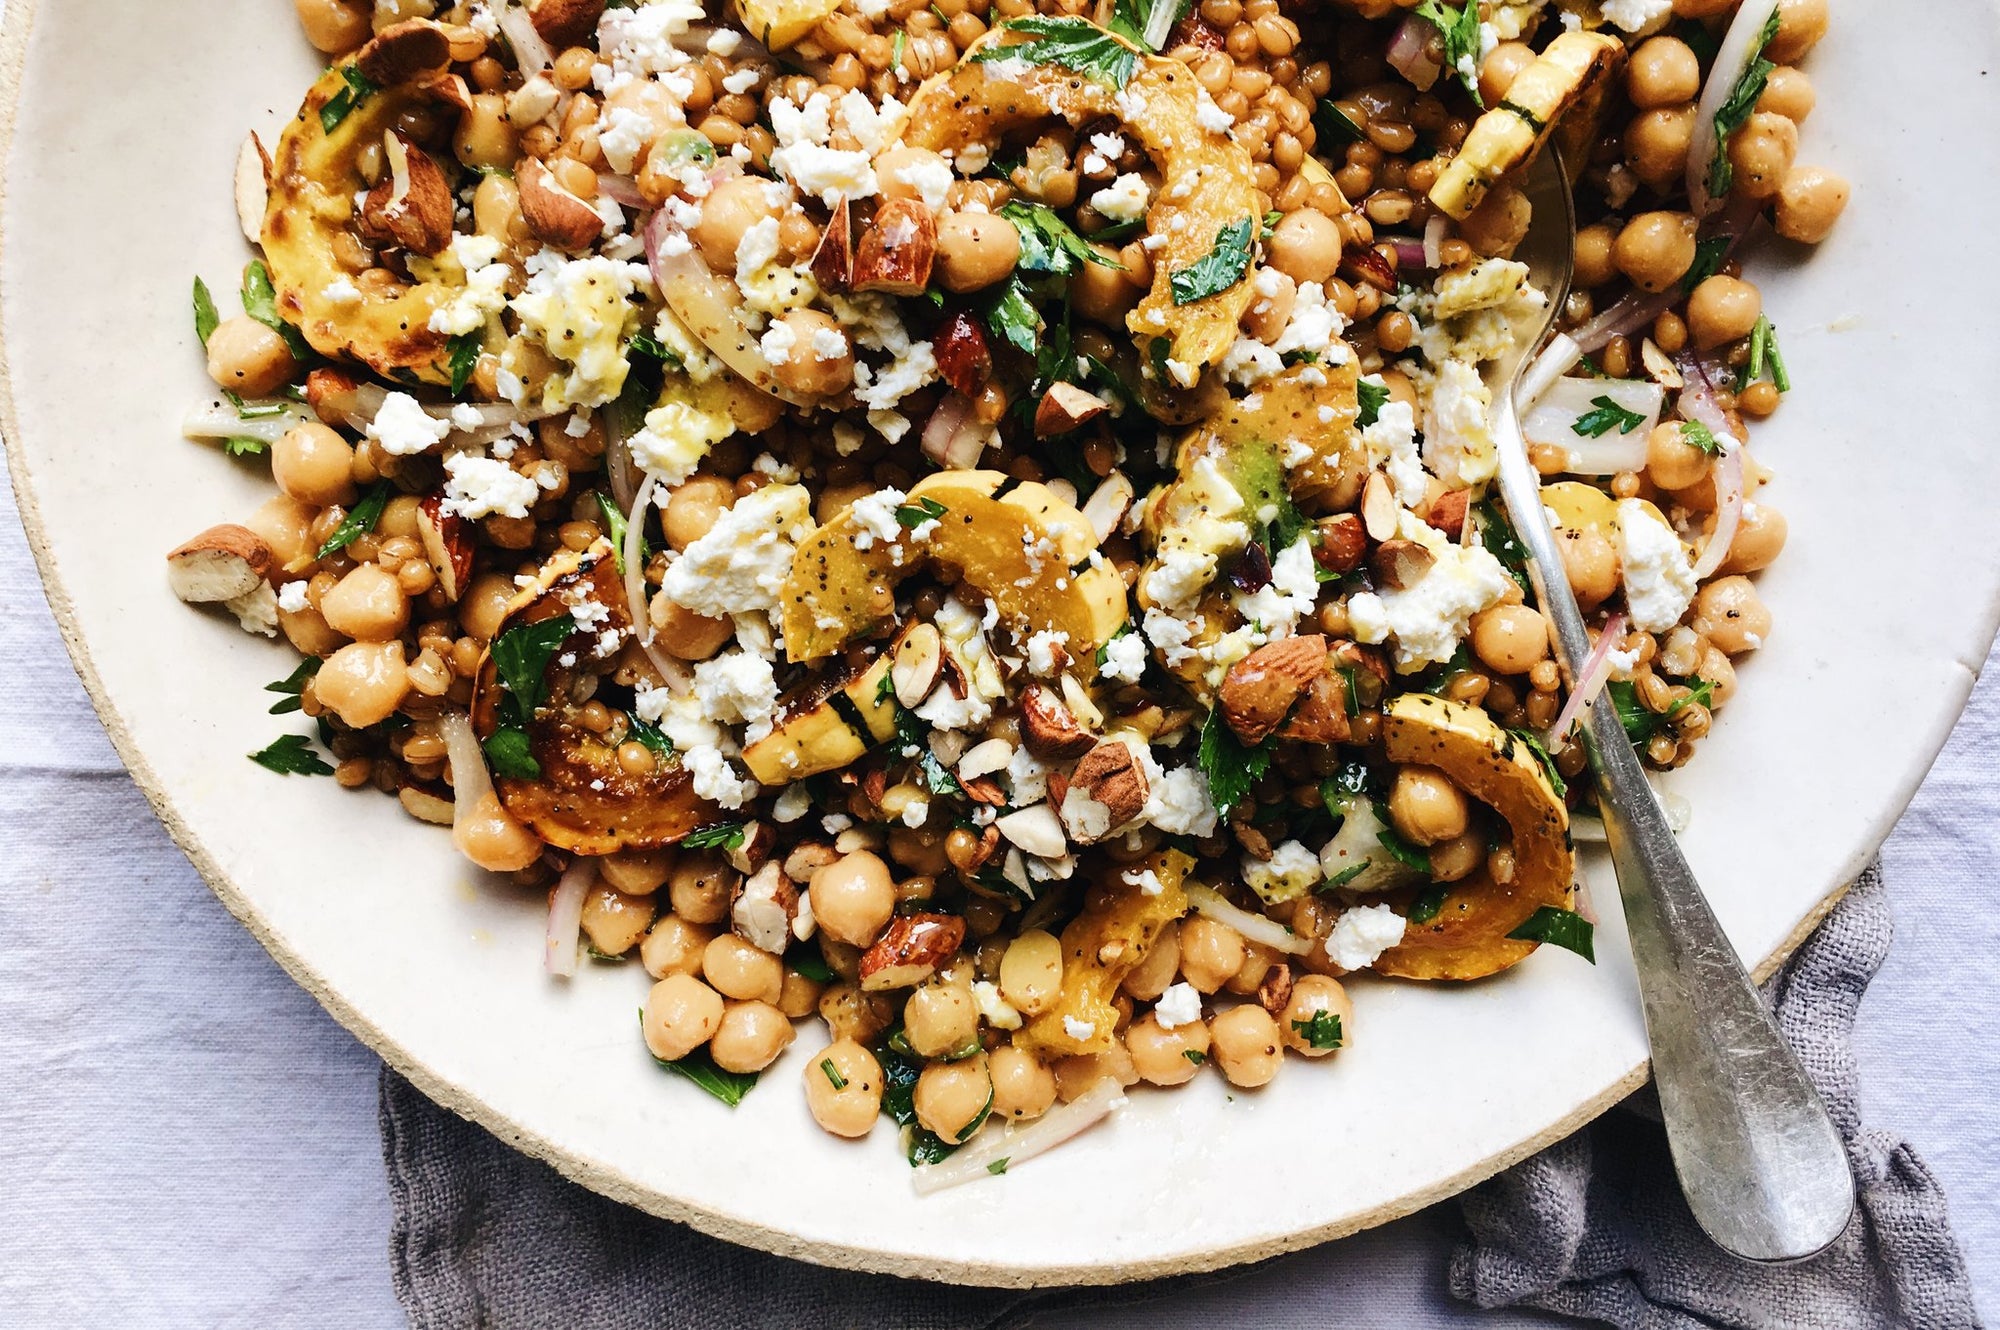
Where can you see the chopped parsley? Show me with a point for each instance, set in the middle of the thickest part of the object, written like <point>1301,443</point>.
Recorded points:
<point>1764,355</point>
<point>1011,317</point>
<point>1333,127</point>
<point>833,1076</point>
<point>998,1166</point>
<point>1372,396</point>
<point>512,754</point>
<point>1320,1030</point>
<point>464,350</point>
<point>292,685</point>
<point>1708,256</point>
<point>1429,903</point>
<point>936,779</point>
<point>521,657</point>
<point>1071,43</point>
<point>1735,112</point>
<point>292,755</point>
<point>205,316</point>
<point>699,1067</point>
<point>1641,725</point>
<point>812,965</point>
<point>1460,30</point>
<point>1345,876</point>
<point>1134,19</point>
<point>1231,768</point>
<point>1697,435</point>
<point>651,736</point>
<point>1498,537</point>
<point>1542,759</point>
<point>1563,928</point>
<point>717,836</point>
<point>1194,1055</point>
<point>1048,243</point>
<point>1413,857</point>
<point>1607,417</point>
<point>896,52</point>
<point>614,530</point>
<point>360,519</point>
<point>910,516</point>
<point>260,302</point>
<point>1219,269</point>
<point>341,105</point>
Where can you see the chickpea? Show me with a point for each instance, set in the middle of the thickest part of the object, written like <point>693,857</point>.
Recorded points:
<point>1315,995</point>
<point>483,607</point>
<point>1672,463</point>
<point>694,507</point>
<point>485,137</point>
<point>1801,24</point>
<point>1104,294</point>
<point>1258,961</point>
<point>1593,256</point>
<point>844,1088</point>
<point>1592,564</point>
<point>731,208</point>
<point>1502,66</point>
<point>674,946</point>
<point>368,605</point>
<point>1655,249</point>
<point>335,27</point>
<point>636,872</point>
<point>800,996</point>
<point>1663,72</point>
<point>850,1013</point>
<point>1210,953</point>
<point>1762,152</point>
<point>1499,223</point>
<point>1732,615</point>
<point>1789,93</point>
<point>286,526</point>
<point>685,635</point>
<point>1723,309</point>
<point>489,836</point>
<point>1075,1075</point>
<point>680,1015</point>
<point>249,359</point>
<point>749,1037</point>
<point>1456,858</point>
<point>941,1020</point>
<point>1511,639</point>
<point>1022,1087</point>
<point>308,631</point>
<point>1810,201</point>
<point>853,898</point>
<point>1426,807</point>
<point>1717,669</point>
<point>314,465</point>
<point>902,171</point>
<point>699,888</point>
<point>614,922</point>
<point>819,359</point>
<point>952,1098</point>
<point>1031,972</point>
<point>1657,143</point>
<point>975,250</point>
<point>1156,972</point>
<point>1246,1046</point>
<point>1760,538</point>
<point>739,970</point>
<point>1160,1056</point>
<point>1306,246</point>
<point>1267,315</point>
<point>364,682</point>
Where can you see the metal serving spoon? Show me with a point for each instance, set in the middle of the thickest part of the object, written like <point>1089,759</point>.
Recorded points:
<point>1760,1163</point>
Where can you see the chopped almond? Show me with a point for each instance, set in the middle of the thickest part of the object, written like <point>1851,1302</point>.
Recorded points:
<point>896,251</point>
<point>1049,729</point>
<point>1343,542</point>
<point>447,545</point>
<point>964,359</point>
<point>911,950</point>
<point>1401,564</point>
<point>413,205</point>
<point>253,188</point>
<point>565,23</point>
<point>222,563</point>
<point>1260,690</point>
<point>833,261</point>
<point>1448,513</point>
<point>556,217</point>
<point>763,908</point>
<point>404,52</point>
<point>1066,407</point>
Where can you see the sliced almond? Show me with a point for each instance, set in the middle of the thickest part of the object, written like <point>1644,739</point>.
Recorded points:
<point>222,563</point>
<point>984,790</point>
<point>447,545</point>
<point>555,216</point>
<point>565,23</point>
<point>1448,513</point>
<point>1049,729</point>
<point>833,261</point>
<point>985,759</point>
<point>918,663</point>
<point>896,252</point>
<point>762,909</point>
<point>1107,505</point>
<point>404,52</point>
<point>1261,689</point>
<point>1379,509</point>
<point>1660,366</point>
<point>1078,699</point>
<point>334,395</point>
<point>1066,407</point>
<point>1036,830</point>
<point>754,850</point>
<point>1343,543</point>
<point>912,949</point>
<point>253,188</point>
<point>413,205</point>
<point>1401,564</point>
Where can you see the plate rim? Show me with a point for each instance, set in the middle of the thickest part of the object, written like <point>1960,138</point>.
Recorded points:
<point>15,33</point>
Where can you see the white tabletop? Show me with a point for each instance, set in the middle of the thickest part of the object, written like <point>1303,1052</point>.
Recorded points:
<point>186,1139</point>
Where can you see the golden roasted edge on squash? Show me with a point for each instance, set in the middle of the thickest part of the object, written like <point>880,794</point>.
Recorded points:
<point>1118,926</point>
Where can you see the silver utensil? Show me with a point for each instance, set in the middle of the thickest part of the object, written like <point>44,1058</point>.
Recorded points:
<point>1760,1162</point>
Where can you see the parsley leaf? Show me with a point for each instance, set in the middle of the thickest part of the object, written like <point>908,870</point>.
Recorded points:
<point>1735,112</point>
<point>1542,759</point>
<point>1607,417</point>
<point>1231,768</point>
<point>1373,395</point>
<point>464,350</point>
<point>511,753</point>
<point>1320,1030</point>
<point>1048,243</point>
<point>1011,317</point>
<point>1697,435</point>
<point>717,836</point>
<point>1460,29</point>
<point>1708,255</point>
<point>811,964</point>
<point>205,316</point>
<point>292,755</point>
<point>910,516</point>
<point>1413,857</point>
<point>651,736</point>
<point>521,656</point>
<point>1344,876</point>
<point>896,53</point>
<point>1219,269</point>
<point>1134,20</point>
<point>1429,903</point>
<point>936,779</point>
<point>260,302</point>
<point>1333,126</point>
<point>1563,928</point>
<point>244,446</point>
<point>1499,538</point>
<point>292,685</point>
<point>1194,1055</point>
<point>341,105</point>
<point>998,1166</point>
<point>1639,723</point>
<point>1071,43</point>
<point>699,1067</point>
<point>614,530</point>
<point>360,519</point>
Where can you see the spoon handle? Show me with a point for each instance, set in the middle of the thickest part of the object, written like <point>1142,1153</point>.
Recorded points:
<point>1762,1167</point>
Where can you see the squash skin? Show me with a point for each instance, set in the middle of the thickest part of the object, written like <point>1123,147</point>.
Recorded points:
<point>1102,945</point>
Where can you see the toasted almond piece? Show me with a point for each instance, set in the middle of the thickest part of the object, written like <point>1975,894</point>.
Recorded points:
<point>762,910</point>
<point>1049,729</point>
<point>222,563</point>
<point>1660,366</point>
<point>1361,264</point>
<point>1110,775</point>
<point>985,759</point>
<point>555,216</point>
<point>1261,689</point>
<point>833,261</point>
<point>964,359</point>
<point>447,545</point>
<point>918,664</point>
<point>404,52</point>
<point>334,395</point>
<point>895,253</point>
<point>1343,543</point>
<point>760,840</point>
<point>1379,509</point>
<point>1065,407</point>
<point>564,23</point>
<point>982,854</point>
<point>912,949</point>
<point>413,205</point>
<point>1448,513</point>
<point>1036,830</point>
<point>1401,564</point>
<point>253,188</point>
<point>1321,715</point>
<point>1276,990</point>
<point>1107,505</point>
<point>984,790</point>
<point>1077,698</point>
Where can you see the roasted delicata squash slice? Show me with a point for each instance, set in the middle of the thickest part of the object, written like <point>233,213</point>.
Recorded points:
<point>830,726</point>
<point>1468,937</point>
<point>583,800</point>
<point>1570,78</point>
<point>1118,926</point>
<point>1207,195</point>
<point>782,23</point>
<point>1304,418</point>
<point>314,180</point>
<point>1017,544</point>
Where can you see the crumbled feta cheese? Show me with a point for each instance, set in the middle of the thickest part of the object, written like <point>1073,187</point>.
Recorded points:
<point>1392,447</point>
<point>714,779</point>
<point>1427,620</point>
<point>1210,116</point>
<point>404,428</point>
<point>1179,1005</point>
<point>477,487</point>
<point>777,343</point>
<point>1659,580</point>
<point>343,292</point>
<point>1362,934</point>
<point>1458,447</point>
<point>1124,199</point>
<point>877,515</point>
<point>675,438</point>
<point>292,597</point>
<point>1291,593</point>
<point>1045,656</point>
<point>1179,804</point>
<point>757,247</point>
<point>930,177</point>
<point>737,686</point>
<point>1171,635</point>
<point>639,42</point>
<point>1125,658</point>
<point>1078,1030</point>
<point>793,803</point>
<point>1635,15</point>
<point>994,1009</point>
<point>915,812</point>
<point>582,313</point>
<point>741,565</point>
<point>803,157</point>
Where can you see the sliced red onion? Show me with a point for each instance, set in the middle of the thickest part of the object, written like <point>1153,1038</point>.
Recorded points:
<point>1728,478</point>
<point>1017,1145</point>
<point>1639,309</point>
<point>1434,231</point>
<point>1741,44</point>
<point>1410,53</point>
<point>1213,905</point>
<point>708,305</point>
<point>952,437</point>
<point>1552,422</point>
<point>531,53</point>
<point>565,928</point>
<point>1698,399</point>
<point>621,190</point>
<point>1591,676</point>
<point>1410,254</point>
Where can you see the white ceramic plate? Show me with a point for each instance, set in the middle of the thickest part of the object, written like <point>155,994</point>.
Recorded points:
<point>129,115</point>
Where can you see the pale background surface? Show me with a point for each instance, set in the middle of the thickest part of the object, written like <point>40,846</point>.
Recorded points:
<point>186,1139</point>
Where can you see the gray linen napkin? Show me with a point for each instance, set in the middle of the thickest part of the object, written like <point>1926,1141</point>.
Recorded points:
<point>1593,1227</point>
